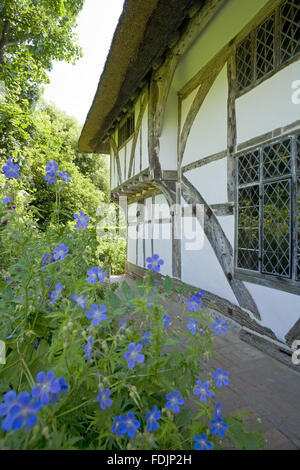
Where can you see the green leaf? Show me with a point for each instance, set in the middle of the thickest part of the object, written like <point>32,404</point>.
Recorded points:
<point>168,284</point>
<point>127,292</point>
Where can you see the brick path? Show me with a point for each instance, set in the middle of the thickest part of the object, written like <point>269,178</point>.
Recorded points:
<point>266,388</point>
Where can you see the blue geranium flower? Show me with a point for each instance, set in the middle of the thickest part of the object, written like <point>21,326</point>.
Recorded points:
<point>47,385</point>
<point>60,251</point>
<point>218,426</point>
<point>50,177</point>
<point>80,300</point>
<point>145,337</point>
<point>152,418</point>
<point>97,314</point>
<point>63,389</point>
<point>221,377</point>
<point>219,327</point>
<point>9,400</point>
<point>118,426</point>
<point>154,263</point>
<point>218,411</point>
<point>11,169</point>
<point>88,348</point>
<point>56,292</point>
<point>174,401</point>
<point>192,325</point>
<point>202,442</point>
<point>103,398</point>
<point>5,200</point>
<point>166,321</point>
<point>64,176</point>
<point>23,413</point>
<point>133,355</point>
<point>130,424</point>
<point>94,274</point>
<point>194,303</point>
<point>51,167</point>
<point>203,390</point>
<point>82,220</point>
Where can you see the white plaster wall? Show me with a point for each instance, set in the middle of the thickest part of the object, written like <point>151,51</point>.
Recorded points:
<point>201,268</point>
<point>211,181</point>
<point>227,224</point>
<point>229,21</point>
<point>208,134</point>
<point>168,139</point>
<point>140,260</point>
<point>279,310</point>
<point>269,105</point>
<point>162,245</point>
<point>161,208</point>
<point>186,104</point>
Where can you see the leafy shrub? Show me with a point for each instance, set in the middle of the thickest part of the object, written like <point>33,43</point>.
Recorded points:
<point>90,366</point>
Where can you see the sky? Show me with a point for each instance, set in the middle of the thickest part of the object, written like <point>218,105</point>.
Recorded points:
<point>72,87</point>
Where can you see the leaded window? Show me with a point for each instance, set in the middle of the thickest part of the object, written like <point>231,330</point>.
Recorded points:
<point>126,130</point>
<point>270,46</point>
<point>268,210</point>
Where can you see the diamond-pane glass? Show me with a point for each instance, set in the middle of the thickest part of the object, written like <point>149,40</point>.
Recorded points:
<point>248,167</point>
<point>248,228</point>
<point>277,159</point>
<point>265,42</point>
<point>298,229</point>
<point>276,228</point>
<point>244,63</point>
<point>289,29</point>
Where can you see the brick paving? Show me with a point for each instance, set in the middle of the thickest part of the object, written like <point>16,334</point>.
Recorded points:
<point>260,384</point>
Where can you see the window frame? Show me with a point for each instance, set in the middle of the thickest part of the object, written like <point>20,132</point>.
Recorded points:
<point>130,116</point>
<point>291,284</point>
<point>279,63</point>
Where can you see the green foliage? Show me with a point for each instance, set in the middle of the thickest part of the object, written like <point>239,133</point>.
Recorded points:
<point>51,335</point>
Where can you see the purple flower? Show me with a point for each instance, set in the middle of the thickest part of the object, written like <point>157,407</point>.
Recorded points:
<point>63,389</point>
<point>97,314</point>
<point>130,424</point>
<point>145,337</point>
<point>166,321</point>
<point>192,325</point>
<point>218,411</point>
<point>194,303</point>
<point>47,385</point>
<point>201,442</point>
<point>10,170</point>
<point>88,348</point>
<point>103,398</point>
<point>5,200</point>
<point>50,177</point>
<point>80,300</point>
<point>22,413</point>
<point>133,355</point>
<point>218,426</point>
<point>152,418</point>
<point>82,220</point>
<point>203,390</point>
<point>9,400</point>
<point>221,377</point>
<point>95,274</point>
<point>60,251</point>
<point>154,263</point>
<point>56,292</point>
<point>64,176</point>
<point>174,401</point>
<point>51,166</point>
<point>118,426</point>
<point>219,327</point>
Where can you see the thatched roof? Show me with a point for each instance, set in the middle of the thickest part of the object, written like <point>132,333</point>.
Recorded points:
<point>144,31</point>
